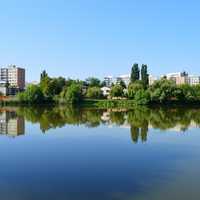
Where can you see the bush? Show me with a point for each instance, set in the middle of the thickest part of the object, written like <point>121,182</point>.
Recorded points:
<point>133,88</point>
<point>117,91</point>
<point>33,94</point>
<point>142,97</point>
<point>73,94</point>
<point>163,90</point>
<point>94,93</point>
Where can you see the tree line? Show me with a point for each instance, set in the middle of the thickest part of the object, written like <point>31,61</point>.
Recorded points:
<point>61,90</point>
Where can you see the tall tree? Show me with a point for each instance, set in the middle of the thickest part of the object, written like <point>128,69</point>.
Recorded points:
<point>144,76</point>
<point>135,73</point>
<point>43,75</point>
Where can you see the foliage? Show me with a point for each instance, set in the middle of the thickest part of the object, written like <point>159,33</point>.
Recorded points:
<point>43,75</point>
<point>144,76</point>
<point>133,88</point>
<point>122,83</point>
<point>116,91</point>
<point>142,97</point>
<point>163,90</point>
<point>73,93</point>
<point>135,73</point>
<point>93,82</point>
<point>33,94</point>
<point>94,92</point>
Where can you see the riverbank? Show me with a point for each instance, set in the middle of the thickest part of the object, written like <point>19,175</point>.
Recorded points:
<point>100,103</point>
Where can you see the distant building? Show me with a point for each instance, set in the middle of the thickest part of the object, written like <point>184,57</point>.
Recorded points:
<point>105,91</point>
<point>125,78</point>
<point>179,78</point>
<point>152,79</point>
<point>193,80</point>
<point>14,76</point>
<point>109,80</point>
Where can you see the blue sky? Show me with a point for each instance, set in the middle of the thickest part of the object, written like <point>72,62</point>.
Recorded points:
<point>83,38</point>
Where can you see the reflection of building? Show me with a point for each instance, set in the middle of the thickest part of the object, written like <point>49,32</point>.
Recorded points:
<point>105,91</point>
<point>11,124</point>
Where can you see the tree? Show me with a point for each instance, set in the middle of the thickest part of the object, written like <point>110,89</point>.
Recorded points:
<point>43,75</point>
<point>33,94</point>
<point>93,82</point>
<point>133,88</point>
<point>163,90</point>
<point>135,73</point>
<point>190,93</point>
<point>144,76</point>
<point>94,92</point>
<point>142,97</point>
<point>73,94</point>
<point>122,83</point>
<point>116,91</point>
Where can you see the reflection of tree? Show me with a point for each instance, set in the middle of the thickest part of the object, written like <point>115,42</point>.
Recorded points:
<point>117,117</point>
<point>144,131</point>
<point>134,134</point>
<point>139,118</point>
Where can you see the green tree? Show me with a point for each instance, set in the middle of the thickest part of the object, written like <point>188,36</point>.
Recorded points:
<point>93,82</point>
<point>135,73</point>
<point>33,94</point>
<point>163,90</point>
<point>190,93</point>
<point>133,88</point>
<point>94,92</point>
<point>43,75</point>
<point>142,97</point>
<point>73,94</point>
<point>122,83</point>
<point>144,76</point>
<point>116,91</point>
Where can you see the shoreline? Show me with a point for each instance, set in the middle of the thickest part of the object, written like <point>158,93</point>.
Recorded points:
<point>104,104</point>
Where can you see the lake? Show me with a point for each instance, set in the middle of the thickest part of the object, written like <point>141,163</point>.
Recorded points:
<point>81,154</point>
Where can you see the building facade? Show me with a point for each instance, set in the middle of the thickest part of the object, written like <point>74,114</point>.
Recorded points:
<point>14,76</point>
<point>193,80</point>
<point>125,78</point>
<point>179,78</point>
<point>152,79</point>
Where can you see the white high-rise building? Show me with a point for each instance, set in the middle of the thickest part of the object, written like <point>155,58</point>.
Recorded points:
<point>193,80</point>
<point>125,78</point>
<point>14,76</point>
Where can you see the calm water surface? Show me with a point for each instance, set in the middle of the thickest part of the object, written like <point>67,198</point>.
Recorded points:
<point>64,153</point>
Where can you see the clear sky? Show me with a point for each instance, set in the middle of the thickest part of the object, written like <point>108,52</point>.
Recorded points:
<point>81,38</point>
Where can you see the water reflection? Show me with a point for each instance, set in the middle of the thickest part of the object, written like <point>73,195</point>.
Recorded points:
<point>138,120</point>
<point>11,124</point>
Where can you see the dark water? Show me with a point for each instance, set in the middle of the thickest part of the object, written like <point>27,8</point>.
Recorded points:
<point>64,153</point>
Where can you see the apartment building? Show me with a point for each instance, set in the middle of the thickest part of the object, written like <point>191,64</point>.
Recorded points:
<point>152,79</point>
<point>109,80</point>
<point>14,76</point>
<point>179,77</point>
<point>193,80</point>
<point>125,78</point>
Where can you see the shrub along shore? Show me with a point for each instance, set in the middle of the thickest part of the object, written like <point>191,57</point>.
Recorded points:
<point>55,91</point>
